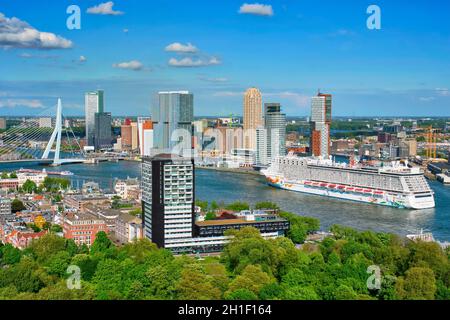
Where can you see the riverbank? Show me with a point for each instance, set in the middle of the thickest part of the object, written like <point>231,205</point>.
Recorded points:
<point>231,170</point>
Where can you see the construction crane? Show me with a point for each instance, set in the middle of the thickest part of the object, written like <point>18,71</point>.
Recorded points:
<point>431,143</point>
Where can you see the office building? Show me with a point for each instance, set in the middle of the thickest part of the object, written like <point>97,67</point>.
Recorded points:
<point>271,140</point>
<point>169,217</point>
<point>320,125</point>
<point>145,131</point>
<point>93,103</point>
<point>83,228</point>
<point>252,117</point>
<point>134,136</point>
<point>126,134</point>
<point>168,198</point>
<point>103,131</point>
<point>172,121</point>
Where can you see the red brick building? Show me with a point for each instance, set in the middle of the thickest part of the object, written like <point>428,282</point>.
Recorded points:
<point>83,228</point>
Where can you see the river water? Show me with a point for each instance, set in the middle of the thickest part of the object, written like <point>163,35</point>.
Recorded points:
<point>228,187</point>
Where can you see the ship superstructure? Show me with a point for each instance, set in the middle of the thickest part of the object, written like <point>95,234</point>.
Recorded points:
<point>395,185</point>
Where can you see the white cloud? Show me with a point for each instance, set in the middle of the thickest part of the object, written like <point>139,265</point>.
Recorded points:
<point>343,32</point>
<point>82,59</point>
<point>179,47</point>
<point>426,99</point>
<point>219,79</point>
<point>443,92</point>
<point>131,65</point>
<point>15,33</point>
<point>256,9</point>
<point>125,30</point>
<point>105,8</point>
<point>13,103</point>
<point>189,62</point>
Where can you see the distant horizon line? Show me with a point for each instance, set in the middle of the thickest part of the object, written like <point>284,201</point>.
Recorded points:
<point>237,116</point>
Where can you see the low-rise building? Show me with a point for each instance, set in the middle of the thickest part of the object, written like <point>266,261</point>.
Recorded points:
<point>128,228</point>
<point>106,214</point>
<point>78,201</point>
<point>83,228</point>
<point>37,178</point>
<point>128,188</point>
<point>5,206</point>
<point>9,184</point>
<point>22,239</point>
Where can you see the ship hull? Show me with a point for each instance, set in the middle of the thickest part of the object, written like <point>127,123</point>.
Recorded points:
<point>395,201</point>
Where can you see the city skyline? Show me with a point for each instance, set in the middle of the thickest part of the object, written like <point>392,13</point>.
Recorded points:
<point>294,50</point>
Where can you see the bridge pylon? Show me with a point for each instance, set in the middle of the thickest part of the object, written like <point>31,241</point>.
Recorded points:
<point>57,132</point>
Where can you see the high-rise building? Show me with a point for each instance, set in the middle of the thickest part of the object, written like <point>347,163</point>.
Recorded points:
<point>2,123</point>
<point>252,117</point>
<point>134,136</point>
<point>168,199</point>
<point>175,111</point>
<point>271,140</point>
<point>103,131</point>
<point>320,125</point>
<point>93,103</point>
<point>169,215</point>
<point>126,134</point>
<point>145,130</point>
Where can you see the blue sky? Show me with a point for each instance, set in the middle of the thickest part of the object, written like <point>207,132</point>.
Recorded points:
<point>289,50</point>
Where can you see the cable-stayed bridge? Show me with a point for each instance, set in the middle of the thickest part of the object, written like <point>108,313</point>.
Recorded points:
<point>44,139</point>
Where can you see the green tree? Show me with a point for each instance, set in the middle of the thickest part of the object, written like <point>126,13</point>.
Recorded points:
<point>252,279</point>
<point>210,216</point>
<point>196,285</point>
<point>241,294</point>
<point>29,186</point>
<point>9,255</point>
<point>56,228</point>
<point>44,248</point>
<point>17,206</point>
<point>101,243</point>
<point>418,284</point>
<point>238,206</point>
<point>266,205</point>
<point>202,204</point>
<point>58,263</point>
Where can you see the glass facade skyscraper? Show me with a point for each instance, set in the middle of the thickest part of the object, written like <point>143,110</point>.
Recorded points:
<point>320,125</point>
<point>271,140</point>
<point>174,111</point>
<point>93,103</point>
<point>103,131</point>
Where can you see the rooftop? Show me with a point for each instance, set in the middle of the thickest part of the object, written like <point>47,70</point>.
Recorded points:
<point>221,222</point>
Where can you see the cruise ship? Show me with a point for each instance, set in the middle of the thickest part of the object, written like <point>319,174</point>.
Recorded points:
<point>395,185</point>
